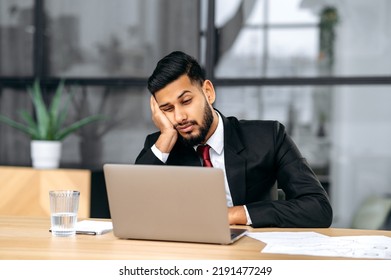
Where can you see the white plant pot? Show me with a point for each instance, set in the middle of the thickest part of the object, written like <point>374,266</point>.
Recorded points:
<point>45,154</point>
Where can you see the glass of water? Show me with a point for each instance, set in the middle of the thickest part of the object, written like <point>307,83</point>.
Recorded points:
<point>64,205</point>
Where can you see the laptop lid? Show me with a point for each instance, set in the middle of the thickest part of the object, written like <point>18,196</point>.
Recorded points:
<point>172,203</point>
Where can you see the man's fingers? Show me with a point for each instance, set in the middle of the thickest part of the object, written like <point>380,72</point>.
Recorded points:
<point>153,104</point>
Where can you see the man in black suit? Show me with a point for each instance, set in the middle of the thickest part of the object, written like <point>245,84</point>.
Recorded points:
<point>253,154</point>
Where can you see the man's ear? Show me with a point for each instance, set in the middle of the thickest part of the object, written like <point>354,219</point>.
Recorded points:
<point>209,91</point>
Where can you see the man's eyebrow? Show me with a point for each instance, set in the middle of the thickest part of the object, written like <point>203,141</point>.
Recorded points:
<point>179,96</point>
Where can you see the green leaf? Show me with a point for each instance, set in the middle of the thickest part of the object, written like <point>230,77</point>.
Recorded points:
<point>31,123</point>
<point>24,128</point>
<point>77,125</point>
<point>43,119</point>
<point>55,120</point>
<point>28,118</point>
<point>64,112</point>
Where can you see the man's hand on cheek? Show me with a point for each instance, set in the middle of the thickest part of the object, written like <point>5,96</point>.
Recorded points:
<point>169,134</point>
<point>159,118</point>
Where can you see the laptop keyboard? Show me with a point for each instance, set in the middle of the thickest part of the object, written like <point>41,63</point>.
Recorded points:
<point>236,232</point>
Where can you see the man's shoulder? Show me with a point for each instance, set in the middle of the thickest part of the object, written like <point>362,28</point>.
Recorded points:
<point>268,130</point>
<point>153,137</point>
<point>249,124</point>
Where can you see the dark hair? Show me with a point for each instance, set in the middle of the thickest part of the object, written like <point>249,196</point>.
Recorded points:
<point>171,67</point>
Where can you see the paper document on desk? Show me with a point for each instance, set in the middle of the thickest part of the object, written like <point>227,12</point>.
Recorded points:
<point>315,244</point>
<point>93,227</point>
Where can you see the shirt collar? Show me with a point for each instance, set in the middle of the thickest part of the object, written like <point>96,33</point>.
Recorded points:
<point>216,140</point>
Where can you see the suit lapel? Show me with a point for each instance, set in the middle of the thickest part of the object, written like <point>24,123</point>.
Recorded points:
<point>235,164</point>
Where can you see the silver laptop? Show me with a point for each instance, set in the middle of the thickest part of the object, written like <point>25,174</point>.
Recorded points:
<point>170,203</point>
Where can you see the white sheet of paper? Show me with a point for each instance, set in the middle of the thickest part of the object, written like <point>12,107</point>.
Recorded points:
<point>93,227</point>
<point>315,244</point>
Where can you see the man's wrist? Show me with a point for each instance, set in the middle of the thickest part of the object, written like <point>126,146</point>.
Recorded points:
<point>159,154</point>
<point>249,222</point>
<point>237,215</point>
<point>166,141</point>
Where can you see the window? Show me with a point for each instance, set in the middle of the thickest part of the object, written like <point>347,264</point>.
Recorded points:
<point>268,42</point>
<point>16,38</point>
<point>320,70</point>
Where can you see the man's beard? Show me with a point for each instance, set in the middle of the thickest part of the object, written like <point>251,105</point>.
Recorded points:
<point>204,129</point>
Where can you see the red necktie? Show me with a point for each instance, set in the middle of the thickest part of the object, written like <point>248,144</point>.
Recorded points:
<point>203,152</point>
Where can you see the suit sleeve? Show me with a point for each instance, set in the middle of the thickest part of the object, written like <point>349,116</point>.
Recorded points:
<point>306,203</point>
<point>146,156</point>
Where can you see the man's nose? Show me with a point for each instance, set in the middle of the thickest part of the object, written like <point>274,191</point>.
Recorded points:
<point>180,115</point>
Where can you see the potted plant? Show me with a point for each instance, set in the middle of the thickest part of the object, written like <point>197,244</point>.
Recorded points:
<point>47,129</point>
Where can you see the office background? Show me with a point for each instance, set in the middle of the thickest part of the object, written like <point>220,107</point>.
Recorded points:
<point>321,67</point>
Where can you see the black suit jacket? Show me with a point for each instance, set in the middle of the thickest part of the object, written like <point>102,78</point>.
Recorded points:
<point>257,154</point>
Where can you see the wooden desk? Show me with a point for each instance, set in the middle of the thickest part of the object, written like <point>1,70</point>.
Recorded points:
<point>24,191</point>
<point>28,238</point>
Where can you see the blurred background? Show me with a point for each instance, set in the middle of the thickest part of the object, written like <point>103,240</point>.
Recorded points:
<point>320,67</point>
